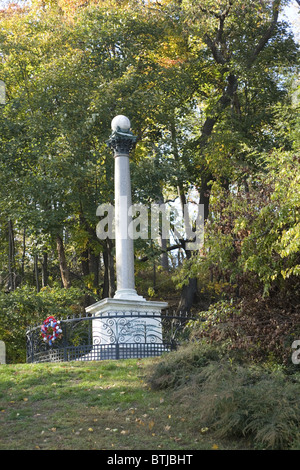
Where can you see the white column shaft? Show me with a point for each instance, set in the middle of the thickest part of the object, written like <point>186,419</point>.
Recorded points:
<point>124,244</point>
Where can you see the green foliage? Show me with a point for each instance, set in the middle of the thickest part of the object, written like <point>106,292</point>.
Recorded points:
<point>237,402</point>
<point>210,93</point>
<point>232,399</point>
<point>177,369</point>
<point>257,229</point>
<point>24,307</point>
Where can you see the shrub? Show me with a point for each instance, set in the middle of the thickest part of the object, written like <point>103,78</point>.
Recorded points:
<point>231,398</point>
<point>175,368</point>
<point>25,307</point>
<point>259,328</point>
<point>248,402</point>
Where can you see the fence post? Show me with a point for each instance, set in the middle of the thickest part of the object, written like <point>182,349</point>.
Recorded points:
<point>30,344</point>
<point>65,340</point>
<point>31,336</point>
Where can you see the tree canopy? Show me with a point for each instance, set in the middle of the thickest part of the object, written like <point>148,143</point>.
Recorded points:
<point>210,88</point>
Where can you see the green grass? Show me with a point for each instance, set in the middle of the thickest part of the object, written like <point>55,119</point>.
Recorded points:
<point>94,405</point>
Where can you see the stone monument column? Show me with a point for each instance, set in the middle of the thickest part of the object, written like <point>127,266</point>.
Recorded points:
<point>127,325</point>
<point>122,141</point>
<point>2,353</point>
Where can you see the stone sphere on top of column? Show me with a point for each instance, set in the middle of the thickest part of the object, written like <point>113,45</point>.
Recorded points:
<point>122,140</point>
<point>121,122</point>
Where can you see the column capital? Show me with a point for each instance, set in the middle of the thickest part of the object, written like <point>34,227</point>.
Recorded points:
<point>121,142</point>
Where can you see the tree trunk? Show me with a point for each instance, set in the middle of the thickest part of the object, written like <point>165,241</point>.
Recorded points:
<point>188,292</point>
<point>36,273</point>
<point>109,284</point>
<point>23,255</point>
<point>64,270</point>
<point>94,268</point>
<point>205,195</point>
<point>11,257</point>
<point>188,295</point>
<point>105,291</point>
<point>85,263</point>
<point>45,269</point>
<point>164,260</point>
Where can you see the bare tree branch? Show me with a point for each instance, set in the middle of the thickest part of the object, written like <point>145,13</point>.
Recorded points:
<point>169,248</point>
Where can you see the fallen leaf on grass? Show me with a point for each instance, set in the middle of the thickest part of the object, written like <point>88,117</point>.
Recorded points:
<point>139,422</point>
<point>151,425</point>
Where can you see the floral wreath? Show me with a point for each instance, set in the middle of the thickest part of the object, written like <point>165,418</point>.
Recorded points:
<point>51,330</point>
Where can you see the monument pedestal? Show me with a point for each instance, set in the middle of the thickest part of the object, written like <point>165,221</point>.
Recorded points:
<point>125,328</point>
<point>2,353</point>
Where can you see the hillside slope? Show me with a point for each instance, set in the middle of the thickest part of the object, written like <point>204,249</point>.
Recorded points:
<point>92,405</point>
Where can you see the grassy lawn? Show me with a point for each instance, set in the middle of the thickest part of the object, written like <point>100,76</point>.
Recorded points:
<point>93,405</point>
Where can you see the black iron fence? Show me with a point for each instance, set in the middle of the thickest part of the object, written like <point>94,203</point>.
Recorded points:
<point>115,335</point>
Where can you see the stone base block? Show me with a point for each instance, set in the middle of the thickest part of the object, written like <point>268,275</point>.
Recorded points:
<point>126,322</point>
